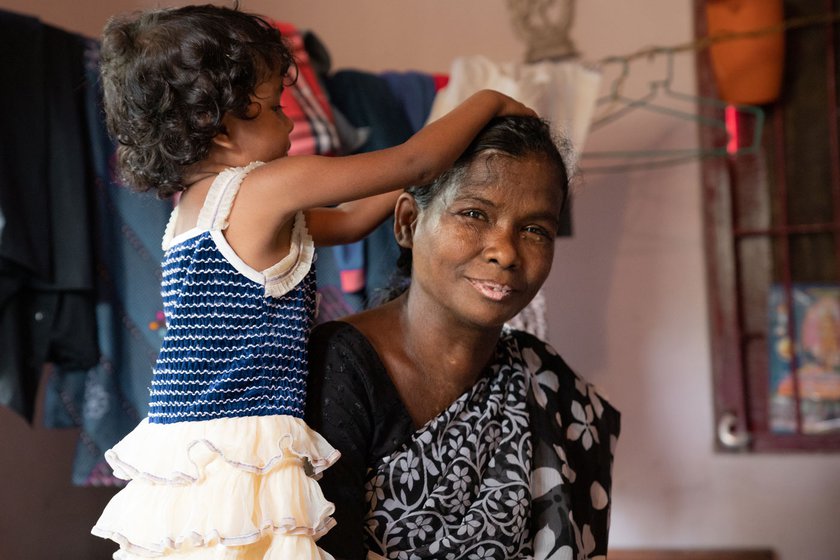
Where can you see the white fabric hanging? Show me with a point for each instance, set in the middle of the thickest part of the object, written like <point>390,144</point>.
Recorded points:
<point>562,92</point>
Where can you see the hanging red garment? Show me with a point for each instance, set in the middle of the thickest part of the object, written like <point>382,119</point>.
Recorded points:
<point>306,103</point>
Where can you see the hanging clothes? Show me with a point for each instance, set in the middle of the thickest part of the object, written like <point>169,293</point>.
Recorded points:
<point>416,93</point>
<point>306,104</point>
<point>108,400</point>
<point>319,129</point>
<point>563,93</point>
<point>366,266</point>
<point>384,111</point>
<point>46,261</point>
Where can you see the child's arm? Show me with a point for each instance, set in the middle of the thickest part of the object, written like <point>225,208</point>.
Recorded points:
<point>284,186</point>
<point>350,221</point>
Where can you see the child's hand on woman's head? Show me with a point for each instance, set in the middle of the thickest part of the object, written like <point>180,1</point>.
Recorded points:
<point>510,107</point>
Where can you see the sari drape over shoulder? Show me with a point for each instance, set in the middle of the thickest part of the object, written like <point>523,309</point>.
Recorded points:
<point>518,467</point>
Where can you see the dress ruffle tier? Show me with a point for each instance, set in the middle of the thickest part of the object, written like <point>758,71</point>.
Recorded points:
<point>222,489</point>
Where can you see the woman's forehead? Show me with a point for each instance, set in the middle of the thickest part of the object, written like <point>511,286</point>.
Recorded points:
<point>500,170</point>
<point>527,186</point>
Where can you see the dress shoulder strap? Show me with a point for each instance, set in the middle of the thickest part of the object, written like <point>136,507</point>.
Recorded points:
<point>219,201</point>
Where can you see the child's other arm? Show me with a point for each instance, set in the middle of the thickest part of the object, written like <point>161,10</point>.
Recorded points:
<point>350,221</point>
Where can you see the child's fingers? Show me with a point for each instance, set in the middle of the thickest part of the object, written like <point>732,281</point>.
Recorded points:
<point>528,112</point>
<point>515,108</point>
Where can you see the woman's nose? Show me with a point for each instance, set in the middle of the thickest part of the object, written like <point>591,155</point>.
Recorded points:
<point>501,248</point>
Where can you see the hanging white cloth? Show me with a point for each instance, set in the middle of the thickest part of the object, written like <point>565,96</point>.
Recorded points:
<point>564,93</point>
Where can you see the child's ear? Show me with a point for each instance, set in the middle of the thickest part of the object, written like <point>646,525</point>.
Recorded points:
<point>222,138</point>
<point>405,218</point>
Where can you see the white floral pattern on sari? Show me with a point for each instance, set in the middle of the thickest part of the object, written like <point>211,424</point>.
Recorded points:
<point>517,467</point>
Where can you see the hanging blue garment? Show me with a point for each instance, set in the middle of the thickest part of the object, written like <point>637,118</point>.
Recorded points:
<point>366,100</point>
<point>416,93</point>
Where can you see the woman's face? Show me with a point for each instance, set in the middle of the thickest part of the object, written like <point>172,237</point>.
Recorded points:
<point>484,246</point>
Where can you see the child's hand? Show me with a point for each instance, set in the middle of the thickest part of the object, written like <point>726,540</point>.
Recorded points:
<point>510,107</point>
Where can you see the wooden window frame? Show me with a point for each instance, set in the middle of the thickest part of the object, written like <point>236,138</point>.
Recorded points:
<point>740,374</point>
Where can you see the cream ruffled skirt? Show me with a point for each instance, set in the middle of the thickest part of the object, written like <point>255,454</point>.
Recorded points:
<point>222,489</point>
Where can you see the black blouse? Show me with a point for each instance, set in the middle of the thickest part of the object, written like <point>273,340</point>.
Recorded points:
<point>353,403</point>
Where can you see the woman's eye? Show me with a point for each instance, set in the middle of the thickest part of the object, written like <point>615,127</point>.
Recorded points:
<point>538,231</point>
<point>475,214</point>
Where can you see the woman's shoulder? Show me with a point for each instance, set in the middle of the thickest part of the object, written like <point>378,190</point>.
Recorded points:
<point>539,354</point>
<point>548,367</point>
<point>350,398</point>
<point>341,356</point>
<point>339,367</point>
<point>343,338</point>
<point>340,339</point>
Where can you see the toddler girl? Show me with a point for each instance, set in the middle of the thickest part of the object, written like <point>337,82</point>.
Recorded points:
<point>224,467</point>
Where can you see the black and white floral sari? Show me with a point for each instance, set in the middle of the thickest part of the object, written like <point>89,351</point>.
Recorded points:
<point>518,467</point>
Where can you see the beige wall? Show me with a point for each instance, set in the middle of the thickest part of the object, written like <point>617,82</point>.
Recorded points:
<point>365,34</point>
<point>627,297</point>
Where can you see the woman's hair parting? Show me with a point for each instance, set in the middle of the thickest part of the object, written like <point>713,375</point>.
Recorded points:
<point>513,137</point>
<point>168,78</point>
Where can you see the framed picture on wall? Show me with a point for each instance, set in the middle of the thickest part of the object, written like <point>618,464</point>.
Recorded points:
<point>805,359</point>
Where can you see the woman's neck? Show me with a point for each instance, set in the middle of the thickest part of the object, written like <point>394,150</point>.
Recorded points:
<point>431,360</point>
<point>442,346</point>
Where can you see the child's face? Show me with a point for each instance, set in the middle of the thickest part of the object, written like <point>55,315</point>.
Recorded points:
<point>265,136</point>
<point>483,248</point>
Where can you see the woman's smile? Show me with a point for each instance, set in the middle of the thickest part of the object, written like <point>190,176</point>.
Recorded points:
<point>491,290</point>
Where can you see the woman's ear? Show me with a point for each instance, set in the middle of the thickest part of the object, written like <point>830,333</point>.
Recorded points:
<point>405,218</point>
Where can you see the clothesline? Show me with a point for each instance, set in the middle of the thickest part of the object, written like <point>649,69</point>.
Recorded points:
<point>707,41</point>
<point>672,157</point>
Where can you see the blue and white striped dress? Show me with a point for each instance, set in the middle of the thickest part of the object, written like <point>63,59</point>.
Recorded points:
<point>224,458</point>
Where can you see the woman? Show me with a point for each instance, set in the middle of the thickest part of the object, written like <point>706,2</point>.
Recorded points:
<point>459,437</point>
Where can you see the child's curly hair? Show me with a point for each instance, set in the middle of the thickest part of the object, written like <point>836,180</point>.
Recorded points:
<point>168,78</point>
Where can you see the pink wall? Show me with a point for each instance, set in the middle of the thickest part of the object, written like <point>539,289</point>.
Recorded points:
<point>627,298</point>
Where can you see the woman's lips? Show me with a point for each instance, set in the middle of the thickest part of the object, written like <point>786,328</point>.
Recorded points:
<point>491,290</point>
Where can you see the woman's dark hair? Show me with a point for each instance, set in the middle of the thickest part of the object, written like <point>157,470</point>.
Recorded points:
<point>512,137</point>
<point>168,78</point>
